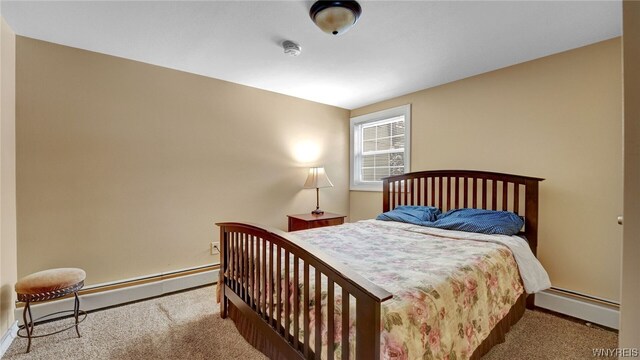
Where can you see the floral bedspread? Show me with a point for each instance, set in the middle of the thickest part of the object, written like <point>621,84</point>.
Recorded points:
<point>448,293</point>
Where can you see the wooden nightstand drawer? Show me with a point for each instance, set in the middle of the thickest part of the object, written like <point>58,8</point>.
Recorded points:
<point>310,221</point>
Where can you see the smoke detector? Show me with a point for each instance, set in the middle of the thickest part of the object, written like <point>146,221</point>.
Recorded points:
<point>291,48</point>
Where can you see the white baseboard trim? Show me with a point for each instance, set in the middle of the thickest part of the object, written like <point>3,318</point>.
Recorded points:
<point>593,312</point>
<point>7,338</point>
<point>103,299</point>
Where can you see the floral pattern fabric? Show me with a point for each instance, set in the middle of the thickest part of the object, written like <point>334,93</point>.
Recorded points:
<point>448,293</point>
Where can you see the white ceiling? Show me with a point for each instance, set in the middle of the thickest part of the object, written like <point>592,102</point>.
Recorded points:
<point>396,47</point>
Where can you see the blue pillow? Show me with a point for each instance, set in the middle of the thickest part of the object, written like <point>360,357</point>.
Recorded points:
<point>411,214</point>
<point>480,221</point>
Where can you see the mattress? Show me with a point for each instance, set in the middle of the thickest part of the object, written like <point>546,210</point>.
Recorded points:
<point>449,288</point>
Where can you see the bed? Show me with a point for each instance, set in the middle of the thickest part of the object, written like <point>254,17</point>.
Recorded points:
<point>314,295</point>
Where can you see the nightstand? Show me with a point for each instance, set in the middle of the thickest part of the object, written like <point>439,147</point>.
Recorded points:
<point>310,221</point>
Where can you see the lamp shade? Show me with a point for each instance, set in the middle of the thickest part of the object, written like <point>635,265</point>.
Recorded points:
<point>317,179</point>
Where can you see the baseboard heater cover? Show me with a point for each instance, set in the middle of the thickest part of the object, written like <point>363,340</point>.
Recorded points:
<point>585,307</point>
<point>8,338</point>
<point>122,292</point>
<point>598,311</point>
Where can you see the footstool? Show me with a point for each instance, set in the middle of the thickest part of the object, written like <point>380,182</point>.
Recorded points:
<point>48,285</point>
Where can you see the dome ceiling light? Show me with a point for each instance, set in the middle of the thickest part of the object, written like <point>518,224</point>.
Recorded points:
<point>335,17</point>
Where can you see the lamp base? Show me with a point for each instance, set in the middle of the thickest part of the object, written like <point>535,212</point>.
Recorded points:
<point>317,212</point>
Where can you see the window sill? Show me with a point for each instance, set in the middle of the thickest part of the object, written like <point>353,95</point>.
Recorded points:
<point>370,188</point>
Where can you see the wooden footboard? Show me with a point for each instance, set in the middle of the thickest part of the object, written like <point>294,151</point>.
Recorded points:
<point>256,264</point>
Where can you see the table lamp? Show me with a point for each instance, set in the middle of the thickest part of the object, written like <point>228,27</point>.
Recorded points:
<point>317,179</point>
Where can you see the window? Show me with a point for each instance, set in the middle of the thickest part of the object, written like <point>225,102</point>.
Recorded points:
<point>379,147</point>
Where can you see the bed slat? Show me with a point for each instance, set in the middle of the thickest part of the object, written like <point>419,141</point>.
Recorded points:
<point>474,193</point>
<point>439,192</point>
<point>484,193</point>
<point>271,283</point>
<point>494,194</point>
<point>252,278</point>
<point>505,197</point>
<point>232,262</point>
<point>456,185</point>
<point>239,238</point>
<point>236,260</point>
<point>255,272</point>
<point>245,271</point>
<point>466,191</point>
<point>263,295</point>
<point>393,194</point>
<point>433,191</point>
<point>287,303</point>
<point>318,314</point>
<point>345,324</point>
<point>404,190</point>
<point>330,319</point>
<point>296,303</point>
<point>516,198</point>
<point>419,200</point>
<point>448,193</point>
<point>305,309</point>
<point>278,280</point>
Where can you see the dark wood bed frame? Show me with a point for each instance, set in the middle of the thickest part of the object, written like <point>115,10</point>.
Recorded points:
<point>244,282</point>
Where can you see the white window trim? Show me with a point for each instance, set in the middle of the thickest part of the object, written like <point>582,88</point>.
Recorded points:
<point>404,110</point>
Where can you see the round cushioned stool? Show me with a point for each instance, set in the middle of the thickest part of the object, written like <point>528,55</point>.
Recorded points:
<point>48,285</point>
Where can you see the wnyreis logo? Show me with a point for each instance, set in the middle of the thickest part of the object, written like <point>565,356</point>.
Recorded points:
<point>616,352</point>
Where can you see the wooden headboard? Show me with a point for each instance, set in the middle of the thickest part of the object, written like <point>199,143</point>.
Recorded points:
<point>456,189</point>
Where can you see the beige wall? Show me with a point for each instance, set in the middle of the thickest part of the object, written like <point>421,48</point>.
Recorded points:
<point>124,167</point>
<point>8,257</point>
<point>558,118</point>
<point>630,310</point>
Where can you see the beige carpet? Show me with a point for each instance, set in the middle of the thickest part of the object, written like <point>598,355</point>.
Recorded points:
<point>187,326</point>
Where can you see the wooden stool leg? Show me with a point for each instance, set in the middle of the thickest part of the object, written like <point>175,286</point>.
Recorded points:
<point>76,310</point>
<point>28,325</point>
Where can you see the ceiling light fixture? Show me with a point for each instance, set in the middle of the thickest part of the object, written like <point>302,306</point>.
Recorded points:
<point>335,17</point>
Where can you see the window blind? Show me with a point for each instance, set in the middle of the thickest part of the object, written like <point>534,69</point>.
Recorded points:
<point>382,147</point>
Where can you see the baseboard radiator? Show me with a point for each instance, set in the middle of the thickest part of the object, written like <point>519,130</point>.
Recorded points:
<point>101,296</point>
<point>589,308</point>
